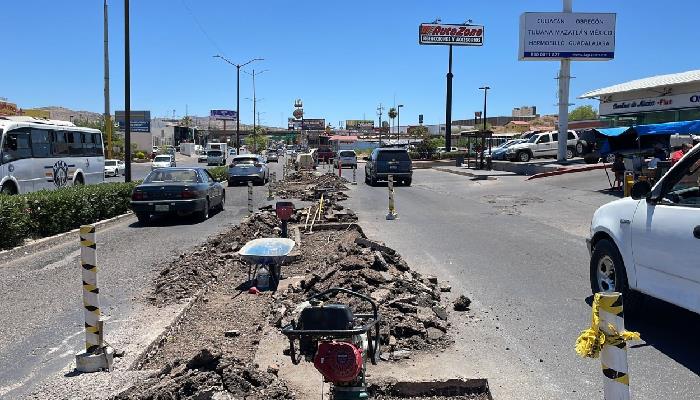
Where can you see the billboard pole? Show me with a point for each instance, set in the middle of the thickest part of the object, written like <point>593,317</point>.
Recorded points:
<point>564,79</point>
<point>127,96</point>
<point>107,116</point>
<point>448,106</point>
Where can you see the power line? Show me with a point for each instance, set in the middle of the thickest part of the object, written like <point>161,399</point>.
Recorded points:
<point>201,28</point>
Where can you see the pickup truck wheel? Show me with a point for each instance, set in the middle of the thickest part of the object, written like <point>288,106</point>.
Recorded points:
<point>579,148</point>
<point>524,156</point>
<point>608,274</point>
<point>570,153</point>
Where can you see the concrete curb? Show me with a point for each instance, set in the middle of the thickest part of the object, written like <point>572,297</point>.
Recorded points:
<point>36,242</point>
<point>562,171</point>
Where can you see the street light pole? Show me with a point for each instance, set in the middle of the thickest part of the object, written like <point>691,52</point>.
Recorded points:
<point>398,122</point>
<point>238,96</point>
<point>107,115</point>
<point>127,96</point>
<point>448,106</point>
<point>483,130</point>
<point>255,145</point>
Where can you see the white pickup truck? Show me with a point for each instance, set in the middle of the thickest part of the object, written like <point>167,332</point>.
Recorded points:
<point>650,242</point>
<point>543,145</point>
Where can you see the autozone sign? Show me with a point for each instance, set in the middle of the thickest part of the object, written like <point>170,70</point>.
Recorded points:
<point>451,34</point>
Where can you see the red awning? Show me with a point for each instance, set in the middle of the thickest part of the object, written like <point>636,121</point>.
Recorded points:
<point>345,139</point>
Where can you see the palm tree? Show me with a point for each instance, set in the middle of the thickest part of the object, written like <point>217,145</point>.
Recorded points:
<point>392,114</point>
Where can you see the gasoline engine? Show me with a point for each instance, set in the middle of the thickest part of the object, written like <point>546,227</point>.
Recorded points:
<point>338,341</point>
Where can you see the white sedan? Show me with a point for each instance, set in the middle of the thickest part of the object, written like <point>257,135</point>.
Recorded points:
<point>163,161</point>
<point>650,242</point>
<point>114,167</point>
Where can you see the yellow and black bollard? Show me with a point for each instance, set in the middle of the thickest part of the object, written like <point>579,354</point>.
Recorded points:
<point>354,174</point>
<point>97,356</point>
<point>608,338</point>
<point>250,197</point>
<point>392,215</point>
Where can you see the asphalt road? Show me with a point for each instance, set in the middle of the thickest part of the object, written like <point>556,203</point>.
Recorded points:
<point>42,317</point>
<point>517,248</point>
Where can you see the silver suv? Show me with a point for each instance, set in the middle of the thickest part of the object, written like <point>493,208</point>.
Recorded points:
<point>542,145</point>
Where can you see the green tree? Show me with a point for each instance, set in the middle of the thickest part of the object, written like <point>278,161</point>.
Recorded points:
<point>581,113</point>
<point>258,141</point>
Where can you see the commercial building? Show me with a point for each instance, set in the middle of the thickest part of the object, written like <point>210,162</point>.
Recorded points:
<point>525,111</point>
<point>662,98</point>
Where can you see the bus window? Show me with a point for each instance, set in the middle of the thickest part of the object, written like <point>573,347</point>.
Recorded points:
<point>59,144</point>
<point>75,143</point>
<point>40,143</point>
<point>16,146</point>
<point>97,138</point>
<point>88,144</point>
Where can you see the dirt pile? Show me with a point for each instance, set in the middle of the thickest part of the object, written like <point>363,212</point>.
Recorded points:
<point>209,375</point>
<point>410,304</point>
<point>309,186</point>
<point>184,276</point>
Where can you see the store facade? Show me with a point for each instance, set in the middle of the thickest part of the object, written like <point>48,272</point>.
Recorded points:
<point>658,99</point>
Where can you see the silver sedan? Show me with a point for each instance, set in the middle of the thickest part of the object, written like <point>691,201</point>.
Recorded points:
<point>248,167</point>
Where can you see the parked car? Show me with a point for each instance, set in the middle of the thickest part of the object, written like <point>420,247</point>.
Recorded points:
<point>388,161</point>
<point>177,191</point>
<point>231,152</point>
<point>324,154</point>
<point>248,167</point>
<point>347,159</point>
<point>442,149</point>
<point>650,242</point>
<point>216,157</point>
<point>272,156</point>
<point>542,144</point>
<point>114,167</point>
<point>163,161</point>
<point>499,153</point>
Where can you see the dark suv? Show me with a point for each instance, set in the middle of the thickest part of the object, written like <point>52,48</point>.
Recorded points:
<point>388,161</point>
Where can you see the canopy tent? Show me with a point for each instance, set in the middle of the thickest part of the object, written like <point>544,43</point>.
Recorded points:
<point>669,128</point>
<point>612,132</point>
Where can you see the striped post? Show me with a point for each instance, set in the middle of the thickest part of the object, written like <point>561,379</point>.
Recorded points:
<point>250,197</point>
<point>91,301</point>
<point>270,196</point>
<point>613,355</point>
<point>340,169</point>
<point>354,173</point>
<point>392,209</point>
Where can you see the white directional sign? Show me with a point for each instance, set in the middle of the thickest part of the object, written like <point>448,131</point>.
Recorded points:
<point>577,36</point>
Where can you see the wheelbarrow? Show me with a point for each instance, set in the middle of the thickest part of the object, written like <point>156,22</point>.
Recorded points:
<point>269,253</point>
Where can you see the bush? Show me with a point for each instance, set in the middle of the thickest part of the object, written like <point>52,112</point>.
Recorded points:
<point>140,155</point>
<point>220,174</point>
<point>49,212</point>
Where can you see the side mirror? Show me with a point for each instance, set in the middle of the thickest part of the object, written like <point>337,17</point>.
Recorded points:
<point>640,189</point>
<point>365,158</point>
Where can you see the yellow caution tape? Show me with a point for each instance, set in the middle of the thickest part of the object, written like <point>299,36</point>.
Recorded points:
<point>591,341</point>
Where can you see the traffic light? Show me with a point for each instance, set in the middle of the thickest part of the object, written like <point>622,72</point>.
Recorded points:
<point>420,118</point>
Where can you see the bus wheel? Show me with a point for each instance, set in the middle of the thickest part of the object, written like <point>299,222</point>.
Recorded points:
<point>78,180</point>
<point>8,189</point>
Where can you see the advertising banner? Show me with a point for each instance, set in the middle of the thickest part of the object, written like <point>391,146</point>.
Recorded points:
<point>686,100</point>
<point>578,36</point>
<point>359,124</point>
<point>8,109</point>
<point>314,124</point>
<point>293,124</point>
<point>451,34</point>
<point>140,121</point>
<point>229,115</point>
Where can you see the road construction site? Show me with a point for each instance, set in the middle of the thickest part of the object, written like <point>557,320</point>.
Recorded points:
<point>459,290</point>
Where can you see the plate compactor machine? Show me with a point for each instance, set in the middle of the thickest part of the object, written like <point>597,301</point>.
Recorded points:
<point>338,341</point>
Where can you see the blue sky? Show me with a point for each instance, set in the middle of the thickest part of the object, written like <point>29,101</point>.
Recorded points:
<point>341,58</point>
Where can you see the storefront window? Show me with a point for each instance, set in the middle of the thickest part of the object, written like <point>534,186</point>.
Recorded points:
<point>689,115</point>
<point>659,117</point>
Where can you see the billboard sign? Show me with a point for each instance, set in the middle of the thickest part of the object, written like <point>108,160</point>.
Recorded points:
<point>317,124</point>
<point>228,115</point>
<point>452,34</point>
<point>556,35</point>
<point>359,124</point>
<point>8,109</point>
<point>140,121</point>
<point>293,124</point>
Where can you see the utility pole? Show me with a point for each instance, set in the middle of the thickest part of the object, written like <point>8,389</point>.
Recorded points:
<point>127,96</point>
<point>107,114</point>
<point>380,109</point>
<point>238,96</point>
<point>564,78</point>
<point>254,106</point>
<point>398,122</point>
<point>483,131</point>
<point>448,106</point>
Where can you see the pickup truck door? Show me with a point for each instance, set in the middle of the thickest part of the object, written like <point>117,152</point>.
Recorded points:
<point>666,243</point>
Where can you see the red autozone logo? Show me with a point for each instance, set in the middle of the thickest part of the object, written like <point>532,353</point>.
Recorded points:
<point>447,30</point>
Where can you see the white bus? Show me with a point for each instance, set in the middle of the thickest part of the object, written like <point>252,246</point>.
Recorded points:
<point>38,154</point>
